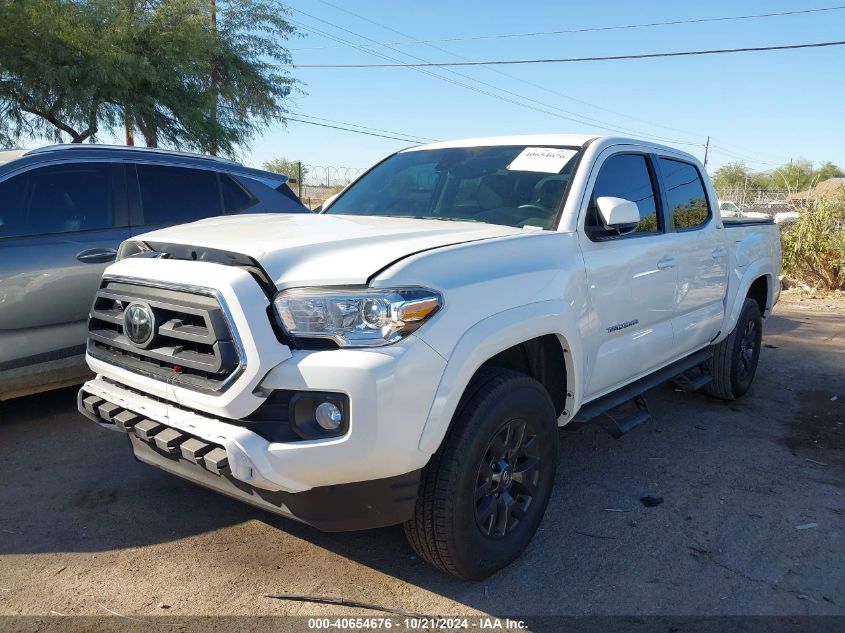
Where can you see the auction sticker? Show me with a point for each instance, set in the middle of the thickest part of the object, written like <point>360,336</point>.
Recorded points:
<point>547,160</point>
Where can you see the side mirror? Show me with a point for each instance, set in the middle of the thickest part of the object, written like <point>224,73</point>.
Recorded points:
<point>618,212</point>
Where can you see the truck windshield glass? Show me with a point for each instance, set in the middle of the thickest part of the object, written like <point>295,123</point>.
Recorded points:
<point>512,185</point>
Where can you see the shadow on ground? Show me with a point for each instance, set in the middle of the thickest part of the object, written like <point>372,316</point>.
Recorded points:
<point>735,479</point>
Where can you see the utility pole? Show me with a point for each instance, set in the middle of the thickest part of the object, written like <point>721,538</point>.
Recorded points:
<point>299,178</point>
<point>706,150</point>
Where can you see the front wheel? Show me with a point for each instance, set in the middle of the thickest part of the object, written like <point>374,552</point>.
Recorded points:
<point>486,489</point>
<point>734,361</point>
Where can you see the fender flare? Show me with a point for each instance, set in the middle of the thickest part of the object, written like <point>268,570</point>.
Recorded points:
<point>760,268</point>
<point>487,338</point>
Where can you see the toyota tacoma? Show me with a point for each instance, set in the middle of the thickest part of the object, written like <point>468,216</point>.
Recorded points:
<point>407,355</point>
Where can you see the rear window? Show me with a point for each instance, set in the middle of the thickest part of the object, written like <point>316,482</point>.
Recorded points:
<point>685,193</point>
<point>235,197</point>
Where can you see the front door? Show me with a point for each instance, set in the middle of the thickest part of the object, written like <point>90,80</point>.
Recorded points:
<point>57,234</point>
<point>632,276</point>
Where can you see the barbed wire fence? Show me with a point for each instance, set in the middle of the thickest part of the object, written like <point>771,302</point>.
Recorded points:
<point>315,183</point>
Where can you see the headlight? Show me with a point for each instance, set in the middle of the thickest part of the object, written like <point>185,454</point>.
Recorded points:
<point>353,317</point>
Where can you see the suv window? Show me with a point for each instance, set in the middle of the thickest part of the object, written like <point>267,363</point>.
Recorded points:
<point>173,195</point>
<point>57,199</point>
<point>626,176</point>
<point>685,194</point>
<point>235,197</point>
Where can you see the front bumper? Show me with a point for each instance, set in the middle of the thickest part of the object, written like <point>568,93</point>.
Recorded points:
<point>390,391</point>
<point>355,506</point>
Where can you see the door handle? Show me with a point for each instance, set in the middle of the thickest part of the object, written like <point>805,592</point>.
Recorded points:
<point>666,263</point>
<point>719,253</point>
<point>96,255</point>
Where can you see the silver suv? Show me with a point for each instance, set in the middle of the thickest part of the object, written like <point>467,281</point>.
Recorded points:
<point>65,209</point>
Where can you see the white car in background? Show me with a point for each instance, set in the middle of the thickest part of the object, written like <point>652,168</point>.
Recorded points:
<point>728,209</point>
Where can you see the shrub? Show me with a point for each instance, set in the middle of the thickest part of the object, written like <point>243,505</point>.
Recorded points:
<point>814,247</point>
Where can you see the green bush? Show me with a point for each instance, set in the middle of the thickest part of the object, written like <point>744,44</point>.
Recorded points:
<point>814,247</point>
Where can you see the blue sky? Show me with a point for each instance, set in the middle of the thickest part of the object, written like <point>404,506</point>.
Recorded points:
<point>763,108</point>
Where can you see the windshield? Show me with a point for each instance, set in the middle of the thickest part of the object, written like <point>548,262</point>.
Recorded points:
<point>513,185</point>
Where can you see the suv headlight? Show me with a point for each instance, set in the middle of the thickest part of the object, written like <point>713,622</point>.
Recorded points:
<point>355,317</point>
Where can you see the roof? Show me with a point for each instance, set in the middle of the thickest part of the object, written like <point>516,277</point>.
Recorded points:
<point>94,151</point>
<point>825,189</point>
<point>123,148</point>
<point>553,140</point>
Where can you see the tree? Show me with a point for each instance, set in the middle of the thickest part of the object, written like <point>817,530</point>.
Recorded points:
<point>828,170</point>
<point>54,75</point>
<point>735,177</point>
<point>731,176</point>
<point>800,174</point>
<point>286,167</point>
<point>184,73</point>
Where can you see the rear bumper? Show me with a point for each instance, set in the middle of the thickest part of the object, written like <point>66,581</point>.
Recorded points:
<point>337,508</point>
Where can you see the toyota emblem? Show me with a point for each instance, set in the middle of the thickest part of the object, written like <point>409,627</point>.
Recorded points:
<point>139,323</point>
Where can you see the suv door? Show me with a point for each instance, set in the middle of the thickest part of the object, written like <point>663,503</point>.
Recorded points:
<point>702,256</point>
<point>61,226</point>
<point>631,277</point>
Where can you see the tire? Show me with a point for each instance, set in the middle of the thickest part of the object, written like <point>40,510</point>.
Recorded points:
<point>485,490</point>
<point>734,361</point>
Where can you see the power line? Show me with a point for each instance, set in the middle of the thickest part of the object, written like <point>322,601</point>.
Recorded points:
<point>602,28</point>
<point>581,118</point>
<point>364,127</point>
<point>564,60</point>
<point>519,100</point>
<point>347,129</point>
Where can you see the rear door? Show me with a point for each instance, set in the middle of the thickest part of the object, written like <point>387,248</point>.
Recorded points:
<point>632,277</point>
<point>701,254</point>
<point>61,226</point>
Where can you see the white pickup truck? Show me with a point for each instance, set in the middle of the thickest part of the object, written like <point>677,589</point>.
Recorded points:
<point>408,354</point>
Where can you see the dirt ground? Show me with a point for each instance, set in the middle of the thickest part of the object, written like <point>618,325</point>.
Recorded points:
<point>752,522</point>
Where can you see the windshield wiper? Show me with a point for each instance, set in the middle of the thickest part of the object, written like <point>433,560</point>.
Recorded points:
<point>429,217</point>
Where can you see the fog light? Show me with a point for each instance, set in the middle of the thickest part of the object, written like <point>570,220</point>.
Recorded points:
<point>316,415</point>
<point>328,416</point>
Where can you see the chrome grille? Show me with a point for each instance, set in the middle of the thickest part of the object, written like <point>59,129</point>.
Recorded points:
<point>193,343</point>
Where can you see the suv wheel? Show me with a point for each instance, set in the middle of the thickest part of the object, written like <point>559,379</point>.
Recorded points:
<point>486,489</point>
<point>734,361</point>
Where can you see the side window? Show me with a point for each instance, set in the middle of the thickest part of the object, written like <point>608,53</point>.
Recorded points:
<point>626,176</point>
<point>685,193</point>
<point>173,195</point>
<point>235,197</point>
<point>57,199</point>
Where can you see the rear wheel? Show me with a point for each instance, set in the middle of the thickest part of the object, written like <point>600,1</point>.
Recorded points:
<point>486,489</point>
<point>734,361</point>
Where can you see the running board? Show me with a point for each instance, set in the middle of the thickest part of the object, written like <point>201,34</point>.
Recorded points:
<point>692,383</point>
<point>633,393</point>
<point>617,427</point>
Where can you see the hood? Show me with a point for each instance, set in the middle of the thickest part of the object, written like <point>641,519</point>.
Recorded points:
<point>303,249</point>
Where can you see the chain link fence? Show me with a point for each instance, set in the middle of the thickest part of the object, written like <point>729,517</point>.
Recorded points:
<point>757,200</point>
<point>315,183</point>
